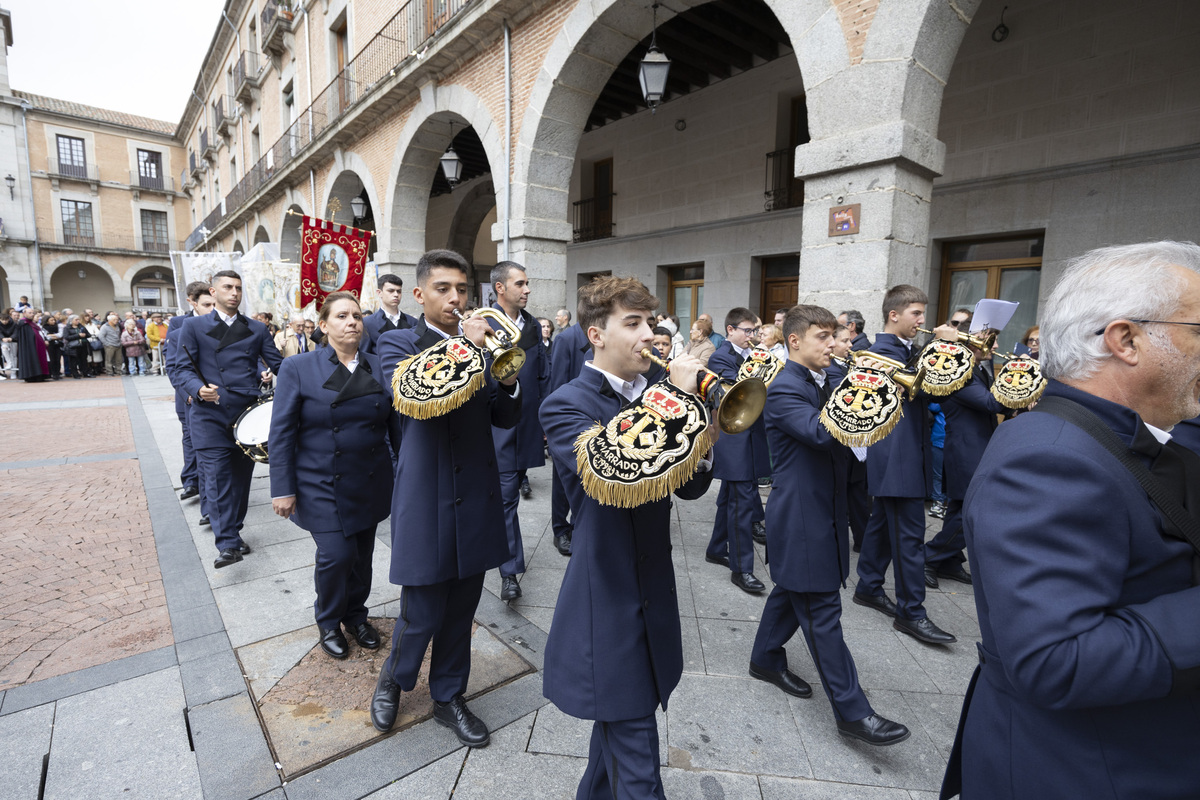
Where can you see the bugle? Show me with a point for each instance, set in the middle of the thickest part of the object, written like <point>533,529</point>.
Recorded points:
<point>983,341</point>
<point>735,405</point>
<point>1019,383</point>
<point>507,357</point>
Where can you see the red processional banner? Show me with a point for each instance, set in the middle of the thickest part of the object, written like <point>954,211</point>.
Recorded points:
<point>332,259</point>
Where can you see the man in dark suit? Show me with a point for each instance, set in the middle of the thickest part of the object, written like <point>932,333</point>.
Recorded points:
<point>970,421</point>
<point>222,383</point>
<point>615,649</point>
<point>447,515</point>
<point>739,460</point>
<point>522,447</point>
<point>201,303</point>
<point>854,322</point>
<point>388,317</point>
<point>1086,593</point>
<point>810,551</point>
<point>899,477</point>
<point>571,350</point>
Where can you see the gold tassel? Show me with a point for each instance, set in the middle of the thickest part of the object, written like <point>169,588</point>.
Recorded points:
<point>632,495</point>
<point>434,406</point>
<point>949,388</point>
<point>1010,402</point>
<point>866,438</point>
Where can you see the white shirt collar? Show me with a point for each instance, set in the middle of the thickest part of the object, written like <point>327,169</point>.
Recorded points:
<point>630,390</point>
<point>353,365</point>
<point>907,342</point>
<point>819,377</point>
<point>1158,433</point>
<point>441,332</point>
<point>223,318</point>
<point>395,320</point>
<point>744,352</point>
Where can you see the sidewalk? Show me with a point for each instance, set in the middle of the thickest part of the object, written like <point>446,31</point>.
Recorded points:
<point>130,668</point>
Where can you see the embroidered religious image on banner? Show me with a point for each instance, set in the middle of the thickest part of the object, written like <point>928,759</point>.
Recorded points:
<point>332,259</point>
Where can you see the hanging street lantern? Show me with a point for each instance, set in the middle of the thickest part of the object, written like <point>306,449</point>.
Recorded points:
<point>653,70</point>
<point>451,163</point>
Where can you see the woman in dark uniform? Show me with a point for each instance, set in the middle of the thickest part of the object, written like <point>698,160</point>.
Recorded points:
<point>330,467</point>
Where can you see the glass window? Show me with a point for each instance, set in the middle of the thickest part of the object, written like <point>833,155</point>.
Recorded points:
<point>685,294</point>
<point>71,157</point>
<point>154,231</point>
<point>150,169</point>
<point>1002,269</point>
<point>77,222</point>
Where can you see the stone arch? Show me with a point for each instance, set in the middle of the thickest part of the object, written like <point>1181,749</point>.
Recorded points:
<point>146,270</point>
<point>261,235</point>
<point>238,247</point>
<point>473,207</point>
<point>352,176</point>
<point>422,142</point>
<point>289,235</point>
<point>72,291</point>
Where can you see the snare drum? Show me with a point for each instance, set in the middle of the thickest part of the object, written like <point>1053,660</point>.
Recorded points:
<point>252,429</point>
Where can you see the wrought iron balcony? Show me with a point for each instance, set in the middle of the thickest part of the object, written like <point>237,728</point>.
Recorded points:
<point>208,145</point>
<point>783,191</point>
<point>155,183</point>
<point>74,172</point>
<point>224,114</point>
<point>95,240</point>
<point>594,218</point>
<point>247,77</point>
<point>196,166</point>
<point>277,19</point>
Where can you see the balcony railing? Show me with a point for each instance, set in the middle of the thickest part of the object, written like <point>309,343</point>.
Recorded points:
<point>224,114</point>
<point>208,144</point>
<point>783,191</point>
<point>155,183</point>
<point>246,76</point>
<point>392,47</point>
<point>196,166</point>
<point>276,21</point>
<point>76,172</point>
<point>106,241</point>
<point>594,218</point>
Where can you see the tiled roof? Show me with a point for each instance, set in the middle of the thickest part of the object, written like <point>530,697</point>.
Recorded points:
<point>99,114</point>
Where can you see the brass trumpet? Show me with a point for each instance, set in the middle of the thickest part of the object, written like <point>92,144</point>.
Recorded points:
<point>984,341</point>
<point>911,381</point>
<point>736,405</point>
<point>507,356</point>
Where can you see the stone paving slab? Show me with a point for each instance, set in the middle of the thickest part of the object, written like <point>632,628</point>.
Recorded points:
<point>434,781</point>
<point>24,741</point>
<point>127,740</point>
<point>504,769</point>
<point>231,750</point>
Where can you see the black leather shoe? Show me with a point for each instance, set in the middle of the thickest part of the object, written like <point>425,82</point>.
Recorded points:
<point>856,548</point>
<point>759,533</point>
<point>923,631</point>
<point>366,636</point>
<point>455,715</point>
<point>563,544</point>
<point>334,643</point>
<point>526,490</point>
<point>881,603</point>
<point>747,582</point>
<point>955,573</point>
<point>931,577</point>
<point>244,549</point>
<point>874,730</point>
<point>385,701</point>
<point>509,589</point>
<point>188,491</point>
<point>722,560</point>
<point>204,521</point>
<point>227,557</point>
<point>790,682</point>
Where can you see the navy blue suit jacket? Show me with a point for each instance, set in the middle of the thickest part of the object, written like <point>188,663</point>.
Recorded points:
<point>901,464</point>
<point>377,324</point>
<point>571,350</point>
<point>742,456</point>
<point>807,516</point>
<point>970,421</point>
<point>228,356</point>
<point>447,515</point>
<point>328,441</point>
<point>1088,619</point>
<point>1187,433</point>
<point>170,350</point>
<point>522,447</point>
<point>614,650</point>
<point>860,342</point>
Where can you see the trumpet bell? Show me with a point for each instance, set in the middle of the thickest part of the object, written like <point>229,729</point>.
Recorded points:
<point>741,405</point>
<point>508,363</point>
<point>910,381</point>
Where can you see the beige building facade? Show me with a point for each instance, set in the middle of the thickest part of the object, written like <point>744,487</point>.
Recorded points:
<point>973,158</point>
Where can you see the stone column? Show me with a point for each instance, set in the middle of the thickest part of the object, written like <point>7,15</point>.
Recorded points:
<point>541,247</point>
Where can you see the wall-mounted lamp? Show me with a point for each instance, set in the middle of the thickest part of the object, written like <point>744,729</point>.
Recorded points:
<point>681,125</point>
<point>358,207</point>
<point>653,71</point>
<point>1001,31</point>
<point>158,276</point>
<point>451,164</point>
<point>12,183</point>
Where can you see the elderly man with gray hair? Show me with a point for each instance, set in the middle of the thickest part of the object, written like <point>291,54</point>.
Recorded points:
<point>292,340</point>
<point>1081,524</point>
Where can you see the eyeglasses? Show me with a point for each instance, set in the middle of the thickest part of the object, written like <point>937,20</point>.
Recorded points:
<point>1033,340</point>
<point>1152,321</point>
<point>749,331</point>
<point>957,322</point>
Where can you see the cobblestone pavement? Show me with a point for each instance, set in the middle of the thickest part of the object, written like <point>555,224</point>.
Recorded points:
<point>101,539</point>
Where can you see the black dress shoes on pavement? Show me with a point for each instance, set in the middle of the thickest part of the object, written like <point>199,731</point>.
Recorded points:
<point>747,582</point>
<point>955,573</point>
<point>455,715</point>
<point>204,521</point>
<point>722,560</point>
<point>366,636</point>
<point>385,701</point>
<point>874,730</point>
<point>244,549</point>
<point>931,577</point>
<point>526,490</point>
<point>880,602</point>
<point>563,544</point>
<point>188,491</point>
<point>509,589</point>
<point>788,681</point>
<point>923,631</point>
<point>334,643</point>
<point>227,557</point>
<point>758,532</point>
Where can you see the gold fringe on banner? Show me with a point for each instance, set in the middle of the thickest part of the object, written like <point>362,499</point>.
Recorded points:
<point>434,405</point>
<point>647,490</point>
<point>863,438</point>
<point>1019,383</point>
<point>948,367</point>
